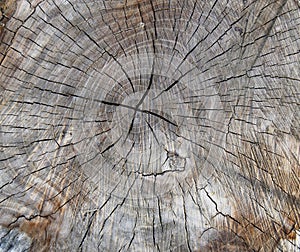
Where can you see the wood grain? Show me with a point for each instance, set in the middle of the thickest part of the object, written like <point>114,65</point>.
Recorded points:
<point>149,125</point>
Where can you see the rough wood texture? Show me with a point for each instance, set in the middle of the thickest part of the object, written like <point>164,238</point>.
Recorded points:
<point>149,125</point>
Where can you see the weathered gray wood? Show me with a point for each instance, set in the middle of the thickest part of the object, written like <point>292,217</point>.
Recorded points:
<point>149,125</point>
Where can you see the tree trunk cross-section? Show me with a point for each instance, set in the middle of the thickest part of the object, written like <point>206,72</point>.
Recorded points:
<point>143,125</point>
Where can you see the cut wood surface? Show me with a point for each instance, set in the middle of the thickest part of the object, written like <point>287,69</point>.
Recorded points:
<point>138,125</point>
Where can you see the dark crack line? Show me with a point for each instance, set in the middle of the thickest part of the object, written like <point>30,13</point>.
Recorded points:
<point>137,110</point>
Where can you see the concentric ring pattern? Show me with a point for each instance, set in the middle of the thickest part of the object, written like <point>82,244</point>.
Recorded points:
<point>125,125</point>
